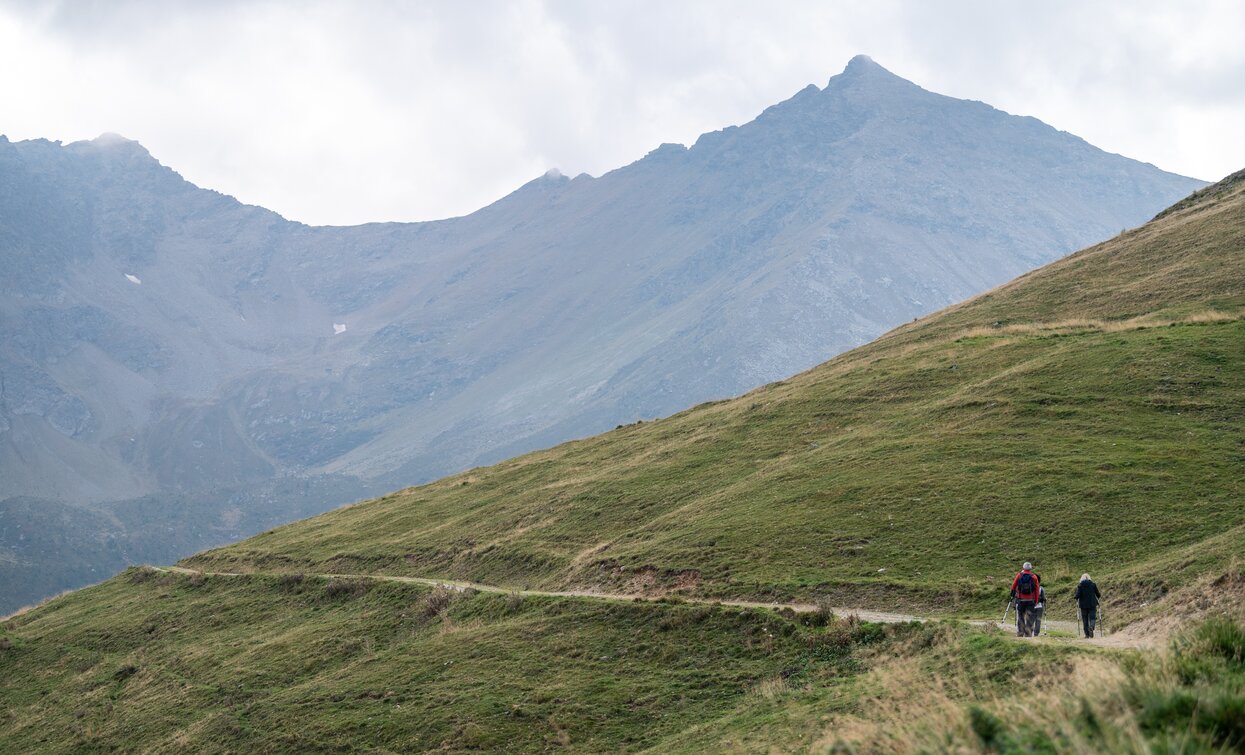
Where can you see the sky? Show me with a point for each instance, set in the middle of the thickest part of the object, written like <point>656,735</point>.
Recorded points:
<point>350,112</point>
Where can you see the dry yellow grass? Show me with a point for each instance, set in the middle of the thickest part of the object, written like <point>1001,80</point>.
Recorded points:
<point>1212,316</point>
<point>899,713</point>
<point>1086,703</point>
<point>1103,326</point>
<point>909,710</point>
<point>772,688</point>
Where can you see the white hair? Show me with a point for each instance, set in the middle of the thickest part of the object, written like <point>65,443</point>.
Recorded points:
<point>1028,565</point>
<point>1085,577</point>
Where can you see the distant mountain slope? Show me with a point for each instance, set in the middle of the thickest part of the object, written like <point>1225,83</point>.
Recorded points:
<point>47,546</point>
<point>159,338</point>
<point>1088,416</point>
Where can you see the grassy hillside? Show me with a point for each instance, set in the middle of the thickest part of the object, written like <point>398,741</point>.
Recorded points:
<point>152,662</point>
<point>1087,416</point>
<point>164,662</point>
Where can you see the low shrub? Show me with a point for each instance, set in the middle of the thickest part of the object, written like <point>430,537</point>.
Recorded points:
<point>988,728</point>
<point>1219,715</point>
<point>290,583</point>
<point>1222,638</point>
<point>347,589</point>
<point>821,616</point>
<point>1214,649</point>
<point>140,574</point>
<point>437,602</point>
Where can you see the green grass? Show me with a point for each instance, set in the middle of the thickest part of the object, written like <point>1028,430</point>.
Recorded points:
<point>1191,701</point>
<point>1089,416</point>
<point>952,688</point>
<point>173,662</point>
<point>163,662</point>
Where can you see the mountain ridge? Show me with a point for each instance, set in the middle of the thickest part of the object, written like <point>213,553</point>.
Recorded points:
<point>163,338</point>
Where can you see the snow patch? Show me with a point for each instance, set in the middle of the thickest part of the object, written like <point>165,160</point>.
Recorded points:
<point>339,328</point>
<point>134,279</point>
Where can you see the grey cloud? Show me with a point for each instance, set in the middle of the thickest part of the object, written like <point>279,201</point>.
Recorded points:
<point>346,112</point>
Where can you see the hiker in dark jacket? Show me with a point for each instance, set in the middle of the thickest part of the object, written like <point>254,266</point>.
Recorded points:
<point>1025,590</point>
<point>1087,597</point>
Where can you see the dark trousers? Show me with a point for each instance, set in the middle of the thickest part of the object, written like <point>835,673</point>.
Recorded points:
<point>1089,617</point>
<point>1035,619</point>
<point>1023,609</point>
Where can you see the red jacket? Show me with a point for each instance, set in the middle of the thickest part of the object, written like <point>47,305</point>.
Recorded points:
<point>1036,586</point>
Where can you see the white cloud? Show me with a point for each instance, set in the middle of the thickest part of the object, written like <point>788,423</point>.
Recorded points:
<point>348,112</point>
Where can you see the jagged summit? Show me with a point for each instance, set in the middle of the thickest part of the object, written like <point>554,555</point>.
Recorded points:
<point>863,66</point>
<point>864,73</point>
<point>111,142</point>
<point>111,139</point>
<point>863,62</point>
<point>550,178</point>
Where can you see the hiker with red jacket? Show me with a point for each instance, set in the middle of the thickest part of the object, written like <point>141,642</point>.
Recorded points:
<point>1026,588</point>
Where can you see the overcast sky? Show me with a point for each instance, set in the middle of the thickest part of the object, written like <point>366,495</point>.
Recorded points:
<point>347,112</point>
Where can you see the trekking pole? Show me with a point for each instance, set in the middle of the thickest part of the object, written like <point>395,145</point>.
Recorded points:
<point>1010,603</point>
<point>1079,633</point>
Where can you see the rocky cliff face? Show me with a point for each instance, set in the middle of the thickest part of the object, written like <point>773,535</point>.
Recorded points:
<point>160,338</point>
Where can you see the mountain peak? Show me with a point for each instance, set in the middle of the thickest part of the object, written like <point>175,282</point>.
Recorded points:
<point>111,145</point>
<point>110,140</point>
<point>864,77</point>
<point>863,65</point>
<point>862,61</point>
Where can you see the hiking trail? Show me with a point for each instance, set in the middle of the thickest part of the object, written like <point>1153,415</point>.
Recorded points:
<point>1067,629</point>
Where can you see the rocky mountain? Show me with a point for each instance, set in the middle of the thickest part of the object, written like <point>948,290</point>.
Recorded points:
<point>157,338</point>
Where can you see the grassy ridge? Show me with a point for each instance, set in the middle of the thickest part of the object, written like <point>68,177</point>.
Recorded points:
<point>1088,416</point>
<point>151,661</point>
<point>170,662</point>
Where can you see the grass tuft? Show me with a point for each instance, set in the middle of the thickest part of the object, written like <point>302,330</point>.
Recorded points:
<point>346,589</point>
<point>988,728</point>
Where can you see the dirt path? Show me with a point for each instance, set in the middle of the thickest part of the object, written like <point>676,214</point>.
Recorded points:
<point>880,617</point>
<point>1067,629</point>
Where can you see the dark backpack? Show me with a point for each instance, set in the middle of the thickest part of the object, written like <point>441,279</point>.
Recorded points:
<point>1026,587</point>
